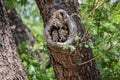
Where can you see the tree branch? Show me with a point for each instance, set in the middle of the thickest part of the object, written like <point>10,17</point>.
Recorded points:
<point>89,60</point>
<point>111,46</point>
<point>96,7</point>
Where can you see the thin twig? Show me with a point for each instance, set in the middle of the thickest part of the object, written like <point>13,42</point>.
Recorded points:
<point>88,61</point>
<point>97,6</point>
<point>99,55</point>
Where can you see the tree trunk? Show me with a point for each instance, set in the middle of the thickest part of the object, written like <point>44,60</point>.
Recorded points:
<point>11,67</point>
<point>62,26</point>
<point>20,31</point>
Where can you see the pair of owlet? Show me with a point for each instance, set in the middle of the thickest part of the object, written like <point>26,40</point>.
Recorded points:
<point>59,35</point>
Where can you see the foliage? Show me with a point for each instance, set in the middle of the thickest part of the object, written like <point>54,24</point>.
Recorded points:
<point>13,3</point>
<point>35,58</point>
<point>104,25</point>
<point>72,48</point>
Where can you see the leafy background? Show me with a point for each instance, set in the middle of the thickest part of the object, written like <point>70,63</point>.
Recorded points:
<point>100,17</point>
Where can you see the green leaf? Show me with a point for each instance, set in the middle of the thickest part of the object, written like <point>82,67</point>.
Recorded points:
<point>31,69</point>
<point>72,48</point>
<point>77,38</point>
<point>86,45</point>
<point>9,3</point>
<point>91,45</point>
<point>66,46</point>
<point>23,2</point>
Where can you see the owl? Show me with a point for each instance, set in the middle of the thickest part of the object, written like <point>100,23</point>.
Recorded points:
<point>62,35</point>
<point>55,36</point>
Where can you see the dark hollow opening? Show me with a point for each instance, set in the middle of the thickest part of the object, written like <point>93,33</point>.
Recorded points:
<point>59,34</point>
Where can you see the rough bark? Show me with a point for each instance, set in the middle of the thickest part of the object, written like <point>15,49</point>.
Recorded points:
<point>11,67</point>
<point>19,30</point>
<point>62,24</point>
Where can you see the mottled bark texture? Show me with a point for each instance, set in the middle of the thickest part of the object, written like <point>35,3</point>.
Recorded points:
<point>62,24</point>
<point>11,67</point>
<point>19,30</point>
